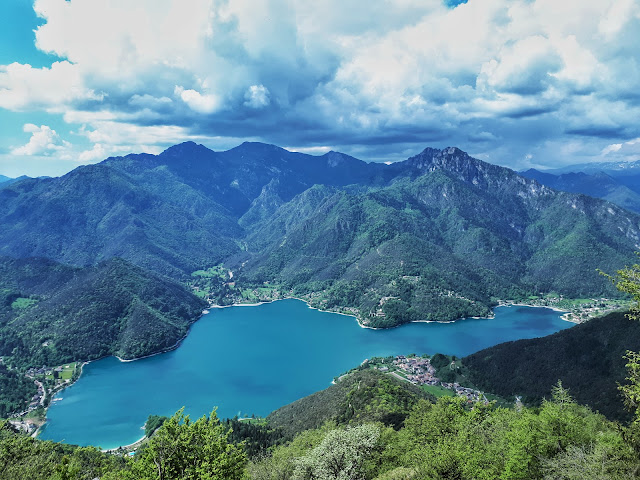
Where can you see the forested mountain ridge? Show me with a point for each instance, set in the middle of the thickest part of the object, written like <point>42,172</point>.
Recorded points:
<point>447,234</point>
<point>52,313</point>
<point>96,212</point>
<point>438,236</point>
<point>587,358</point>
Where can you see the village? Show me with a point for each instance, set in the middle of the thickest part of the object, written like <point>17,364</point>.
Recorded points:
<point>420,371</point>
<point>49,380</point>
<point>576,310</point>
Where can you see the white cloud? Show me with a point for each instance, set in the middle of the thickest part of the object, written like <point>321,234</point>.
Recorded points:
<point>118,133</point>
<point>614,147</point>
<point>619,13</point>
<point>24,87</point>
<point>101,151</point>
<point>98,152</point>
<point>518,76</point>
<point>119,37</point>
<point>43,141</point>
<point>257,96</point>
<point>207,103</point>
<point>314,150</point>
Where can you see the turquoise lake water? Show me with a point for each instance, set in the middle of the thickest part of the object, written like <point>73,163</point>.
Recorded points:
<point>256,359</point>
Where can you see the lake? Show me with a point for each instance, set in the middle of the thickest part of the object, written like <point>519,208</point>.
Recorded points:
<point>254,359</point>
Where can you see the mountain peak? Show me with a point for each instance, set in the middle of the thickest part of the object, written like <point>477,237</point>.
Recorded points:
<point>453,151</point>
<point>431,158</point>
<point>186,148</point>
<point>257,147</point>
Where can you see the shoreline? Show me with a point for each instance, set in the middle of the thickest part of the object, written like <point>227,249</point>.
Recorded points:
<point>206,311</point>
<point>133,445</point>
<point>123,360</point>
<point>166,350</point>
<point>501,303</point>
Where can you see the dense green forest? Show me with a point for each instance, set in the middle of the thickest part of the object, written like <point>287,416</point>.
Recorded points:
<point>437,243</point>
<point>15,391</point>
<point>51,314</point>
<point>588,358</point>
<point>363,396</point>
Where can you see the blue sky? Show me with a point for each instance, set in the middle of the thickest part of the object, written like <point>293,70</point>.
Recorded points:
<point>521,83</point>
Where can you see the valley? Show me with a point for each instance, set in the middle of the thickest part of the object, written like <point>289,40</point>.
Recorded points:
<point>119,259</point>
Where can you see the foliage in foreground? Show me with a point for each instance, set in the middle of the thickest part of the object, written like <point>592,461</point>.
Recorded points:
<point>628,280</point>
<point>24,458</point>
<point>447,439</point>
<point>560,440</point>
<point>182,449</point>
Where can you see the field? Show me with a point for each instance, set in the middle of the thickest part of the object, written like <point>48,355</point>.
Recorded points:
<point>438,391</point>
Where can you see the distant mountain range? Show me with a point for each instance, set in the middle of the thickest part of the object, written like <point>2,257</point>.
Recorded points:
<point>5,181</point>
<point>612,168</point>
<point>623,190</point>
<point>438,236</point>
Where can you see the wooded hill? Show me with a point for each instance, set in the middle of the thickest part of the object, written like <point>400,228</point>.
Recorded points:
<point>52,313</point>
<point>587,358</point>
<point>446,439</point>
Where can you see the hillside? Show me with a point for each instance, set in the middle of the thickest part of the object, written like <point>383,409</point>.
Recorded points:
<point>362,396</point>
<point>587,358</point>
<point>448,236</point>
<point>97,212</point>
<point>51,313</point>
<point>438,236</point>
<point>561,439</point>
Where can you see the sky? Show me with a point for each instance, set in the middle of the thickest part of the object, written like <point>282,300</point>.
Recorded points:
<point>519,83</point>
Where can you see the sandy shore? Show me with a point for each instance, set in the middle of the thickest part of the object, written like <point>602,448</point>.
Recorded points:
<point>131,446</point>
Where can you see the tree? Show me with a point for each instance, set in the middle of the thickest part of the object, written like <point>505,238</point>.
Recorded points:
<point>628,280</point>
<point>181,449</point>
<point>341,455</point>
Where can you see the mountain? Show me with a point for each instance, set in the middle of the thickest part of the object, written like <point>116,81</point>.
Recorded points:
<point>597,184</point>
<point>587,358</point>
<point>439,236</point>
<point>6,181</point>
<point>439,241</point>
<point>97,212</point>
<point>612,168</point>
<point>52,313</point>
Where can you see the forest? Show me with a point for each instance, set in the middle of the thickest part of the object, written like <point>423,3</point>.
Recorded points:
<point>588,358</point>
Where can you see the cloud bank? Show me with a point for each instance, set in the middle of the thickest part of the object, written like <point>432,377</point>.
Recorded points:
<point>522,82</point>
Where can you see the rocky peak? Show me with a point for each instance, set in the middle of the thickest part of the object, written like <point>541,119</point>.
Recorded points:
<point>470,170</point>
